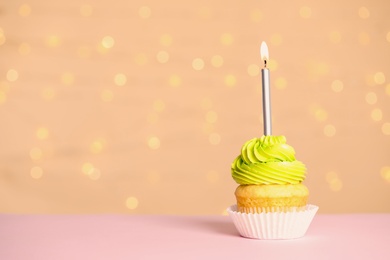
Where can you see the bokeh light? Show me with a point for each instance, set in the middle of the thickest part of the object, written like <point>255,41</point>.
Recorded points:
<point>376,114</point>
<point>385,173</point>
<point>256,15</point>
<point>144,12</point>
<point>371,98</point>
<point>174,81</point>
<point>276,39</point>
<point>87,168</point>
<point>42,133</point>
<point>337,85</point>
<point>321,115</point>
<point>336,185</point>
<point>230,80</point>
<point>48,93</point>
<point>363,12</point>
<point>162,57</point>
<point>36,172</point>
<point>198,64</point>
<point>90,171</point>
<point>94,174</point>
<point>317,68</point>
<point>214,138</point>
<point>217,61</point>
<point>379,78</point>
<point>24,10</point>
<point>131,202</point>
<point>211,117</point>
<point>106,95</point>
<point>224,212</point>
<point>67,78</point>
<point>86,10</point>
<point>226,39</point>
<point>108,42</point>
<point>386,128</point>
<point>305,12</point>
<point>24,48</point>
<point>52,41</point>
<point>329,130</point>
<point>334,182</point>
<point>280,83</point>
<point>12,75</point>
<point>205,13</point>
<point>36,153</point>
<point>166,40</point>
<point>272,65</point>
<point>97,146</point>
<point>159,105</point>
<point>120,79</point>
<point>2,37</point>
<point>154,143</point>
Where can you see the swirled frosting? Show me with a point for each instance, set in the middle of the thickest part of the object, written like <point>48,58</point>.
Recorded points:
<point>267,160</point>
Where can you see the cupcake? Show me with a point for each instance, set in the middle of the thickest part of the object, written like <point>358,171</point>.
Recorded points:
<point>271,198</point>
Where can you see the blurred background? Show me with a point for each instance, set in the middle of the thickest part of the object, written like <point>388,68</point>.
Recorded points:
<point>140,107</point>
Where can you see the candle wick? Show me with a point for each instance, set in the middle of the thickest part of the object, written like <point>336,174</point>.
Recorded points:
<point>265,63</point>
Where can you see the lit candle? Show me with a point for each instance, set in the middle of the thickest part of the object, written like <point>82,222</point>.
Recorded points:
<point>266,90</point>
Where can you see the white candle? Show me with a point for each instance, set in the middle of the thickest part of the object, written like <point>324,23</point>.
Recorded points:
<point>266,90</point>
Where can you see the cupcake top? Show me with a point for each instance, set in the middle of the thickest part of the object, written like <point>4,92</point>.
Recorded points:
<point>267,160</point>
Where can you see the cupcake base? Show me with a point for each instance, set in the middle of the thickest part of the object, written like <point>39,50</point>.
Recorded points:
<point>257,198</point>
<point>289,224</point>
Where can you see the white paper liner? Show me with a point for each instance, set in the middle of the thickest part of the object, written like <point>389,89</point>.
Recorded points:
<point>273,225</point>
<point>269,209</point>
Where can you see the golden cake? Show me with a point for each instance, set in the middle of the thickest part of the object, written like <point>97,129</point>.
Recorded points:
<point>259,198</point>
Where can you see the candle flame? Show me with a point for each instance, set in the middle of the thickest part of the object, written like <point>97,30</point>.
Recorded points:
<point>264,51</point>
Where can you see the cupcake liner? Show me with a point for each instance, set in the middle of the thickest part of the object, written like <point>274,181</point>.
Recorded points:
<point>255,210</point>
<point>273,225</point>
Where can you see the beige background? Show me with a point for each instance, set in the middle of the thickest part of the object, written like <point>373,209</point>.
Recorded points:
<point>141,106</point>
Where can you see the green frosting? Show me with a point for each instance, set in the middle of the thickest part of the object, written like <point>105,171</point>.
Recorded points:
<point>267,160</point>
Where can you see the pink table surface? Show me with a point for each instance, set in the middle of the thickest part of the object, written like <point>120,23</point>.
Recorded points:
<point>360,236</point>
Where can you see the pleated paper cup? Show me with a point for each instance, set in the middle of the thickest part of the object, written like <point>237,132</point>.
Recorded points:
<point>273,225</point>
